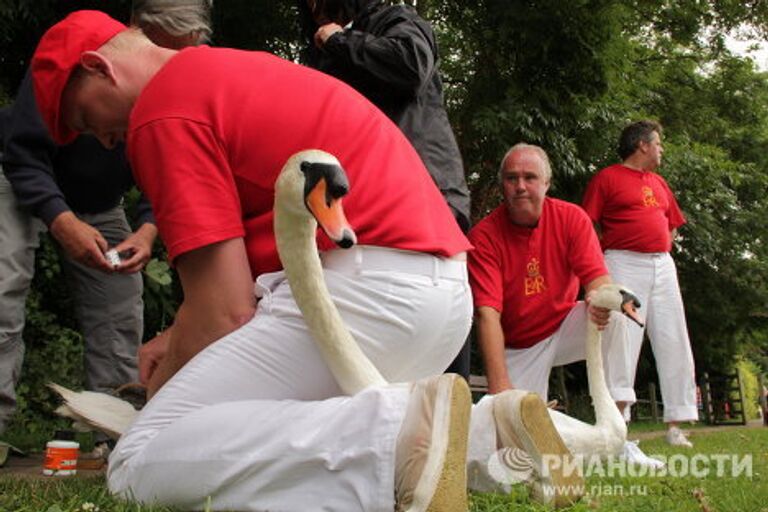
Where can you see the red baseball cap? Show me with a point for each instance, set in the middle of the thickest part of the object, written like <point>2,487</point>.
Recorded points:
<point>58,54</point>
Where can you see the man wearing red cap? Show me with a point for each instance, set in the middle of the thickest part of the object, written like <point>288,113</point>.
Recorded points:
<point>245,409</point>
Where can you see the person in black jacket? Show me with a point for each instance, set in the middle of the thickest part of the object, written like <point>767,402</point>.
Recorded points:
<point>77,191</point>
<point>389,54</point>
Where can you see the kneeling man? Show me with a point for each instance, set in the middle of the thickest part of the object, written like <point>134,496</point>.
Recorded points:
<point>531,256</point>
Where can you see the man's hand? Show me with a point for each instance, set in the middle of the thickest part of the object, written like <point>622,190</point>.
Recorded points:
<point>600,316</point>
<point>82,242</point>
<point>326,31</point>
<point>139,248</point>
<point>151,353</point>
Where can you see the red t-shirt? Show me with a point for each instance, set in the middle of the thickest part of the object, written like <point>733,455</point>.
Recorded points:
<point>636,210</point>
<point>211,131</point>
<point>532,275</point>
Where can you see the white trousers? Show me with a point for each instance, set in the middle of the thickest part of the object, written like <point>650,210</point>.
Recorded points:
<point>256,420</point>
<point>653,278</point>
<point>529,369</point>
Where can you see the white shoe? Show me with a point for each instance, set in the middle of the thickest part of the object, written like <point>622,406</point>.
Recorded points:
<point>677,437</point>
<point>431,452</point>
<point>523,421</point>
<point>634,455</point>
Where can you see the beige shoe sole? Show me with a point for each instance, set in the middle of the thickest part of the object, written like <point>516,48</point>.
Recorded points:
<point>446,489</point>
<point>559,484</point>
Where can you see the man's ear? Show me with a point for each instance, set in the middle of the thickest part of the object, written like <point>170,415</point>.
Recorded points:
<point>94,62</point>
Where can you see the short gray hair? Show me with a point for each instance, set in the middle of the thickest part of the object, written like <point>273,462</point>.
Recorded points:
<point>520,146</point>
<point>176,17</point>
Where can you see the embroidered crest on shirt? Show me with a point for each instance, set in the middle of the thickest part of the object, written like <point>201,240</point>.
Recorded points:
<point>534,281</point>
<point>649,199</point>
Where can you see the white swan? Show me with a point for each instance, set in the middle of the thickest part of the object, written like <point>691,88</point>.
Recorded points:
<point>95,411</point>
<point>309,187</point>
<point>609,433</point>
<point>307,192</point>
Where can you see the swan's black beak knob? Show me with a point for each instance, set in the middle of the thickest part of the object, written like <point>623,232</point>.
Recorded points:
<point>348,239</point>
<point>629,305</point>
<point>324,186</point>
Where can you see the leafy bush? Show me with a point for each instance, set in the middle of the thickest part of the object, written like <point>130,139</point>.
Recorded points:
<point>748,372</point>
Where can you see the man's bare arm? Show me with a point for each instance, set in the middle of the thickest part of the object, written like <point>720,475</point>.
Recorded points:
<point>218,299</point>
<point>490,338</point>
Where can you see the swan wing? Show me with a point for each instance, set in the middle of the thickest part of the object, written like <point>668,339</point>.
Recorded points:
<point>100,411</point>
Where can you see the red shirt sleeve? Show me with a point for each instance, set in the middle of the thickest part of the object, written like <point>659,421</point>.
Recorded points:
<point>182,168</point>
<point>593,198</point>
<point>584,254</point>
<point>485,273</point>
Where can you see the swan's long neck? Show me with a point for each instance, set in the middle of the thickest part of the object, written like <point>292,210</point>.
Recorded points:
<point>296,243</point>
<point>607,415</point>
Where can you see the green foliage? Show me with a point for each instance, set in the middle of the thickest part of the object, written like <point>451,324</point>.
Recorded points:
<point>721,263</point>
<point>266,26</point>
<point>160,297</point>
<point>748,372</point>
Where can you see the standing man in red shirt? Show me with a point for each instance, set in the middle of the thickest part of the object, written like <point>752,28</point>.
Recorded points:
<point>244,407</point>
<point>531,255</point>
<point>637,216</point>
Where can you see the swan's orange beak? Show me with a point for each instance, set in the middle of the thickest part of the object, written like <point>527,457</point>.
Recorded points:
<point>629,305</point>
<point>329,214</point>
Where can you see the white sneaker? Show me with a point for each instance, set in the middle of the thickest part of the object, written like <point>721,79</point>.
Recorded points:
<point>431,452</point>
<point>634,455</point>
<point>677,437</point>
<point>523,421</point>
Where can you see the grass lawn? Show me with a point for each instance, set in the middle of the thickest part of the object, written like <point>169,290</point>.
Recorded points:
<point>702,491</point>
<point>705,491</point>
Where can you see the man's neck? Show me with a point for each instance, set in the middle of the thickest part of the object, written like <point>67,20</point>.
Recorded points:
<point>636,162</point>
<point>146,65</point>
<point>526,221</point>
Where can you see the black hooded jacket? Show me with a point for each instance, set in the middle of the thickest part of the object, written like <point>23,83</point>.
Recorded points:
<point>390,55</point>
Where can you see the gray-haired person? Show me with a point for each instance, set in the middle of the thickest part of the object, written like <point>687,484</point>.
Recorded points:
<point>76,191</point>
<point>173,24</point>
